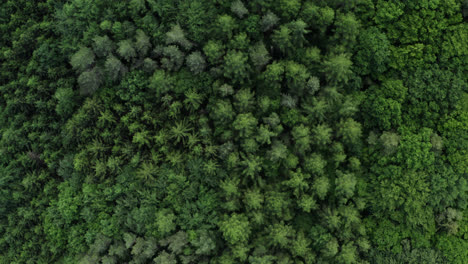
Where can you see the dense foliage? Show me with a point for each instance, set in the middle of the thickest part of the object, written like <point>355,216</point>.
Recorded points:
<point>233,131</point>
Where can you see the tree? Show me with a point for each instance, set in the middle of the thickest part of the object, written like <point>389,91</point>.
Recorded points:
<point>389,142</point>
<point>227,25</point>
<point>238,8</point>
<point>326,16</point>
<point>337,69</point>
<point>259,55</point>
<point>332,95</point>
<point>161,82</point>
<point>297,76</point>
<point>374,52</point>
<point>126,50</point>
<point>129,239</point>
<point>282,39</point>
<point>280,235</point>
<point>235,229</point>
<point>339,155</point>
<point>301,136</point>
<point>300,245</point>
<point>137,6</point>
<point>222,112</point>
<point>205,244</point>
<point>321,135</point>
<point>346,28</point>
<point>103,46</point>
<point>196,62</point>
<point>149,65</point>
<point>114,68</point>
<point>347,254</point>
<point>244,100</point>
<point>298,32</point>
<point>252,166</point>
<point>65,102</point>
<point>89,81</point>
<point>278,152</point>
<point>236,67</point>
<point>253,199</point>
<point>349,107</point>
<point>386,113</point>
<point>164,222</point>
<point>173,58</point>
<point>345,184</point>
<point>214,51</point>
<point>437,142</point>
<point>240,42</point>
<point>273,76</point>
<point>315,164</point>
<point>82,60</point>
<point>318,109</point>
<point>313,85</point>
<point>138,246</point>
<point>321,186</point>
<point>177,36</point>
<point>142,43</point>
<point>117,249</point>
<point>245,124</point>
<point>106,25</point>
<point>264,135</point>
<point>179,131</point>
<point>288,8</point>
<point>269,20</point>
<point>297,182</point>
<point>176,242</point>
<point>165,258</point>
<point>101,244</point>
<point>330,249</point>
<point>193,100</point>
<point>350,131</point>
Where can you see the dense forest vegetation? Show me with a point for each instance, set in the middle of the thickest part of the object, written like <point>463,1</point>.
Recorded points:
<point>234,131</point>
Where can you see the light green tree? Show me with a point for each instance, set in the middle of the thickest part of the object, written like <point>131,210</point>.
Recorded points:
<point>226,24</point>
<point>126,50</point>
<point>103,46</point>
<point>302,138</point>
<point>238,8</point>
<point>235,229</point>
<point>142,43</point>
<point>350,131</point>
<point>177,36</point>
<point>196,62</point>
<point>337,69</point>
<point>114,68</point>
<point>269,20</point>
<point>236,67</point>
<point>282,39</point>
<point>246,124</point>
<point>89,81</point>
<point>259,55</point>
<point>82,59</point>
<point>322,134</point>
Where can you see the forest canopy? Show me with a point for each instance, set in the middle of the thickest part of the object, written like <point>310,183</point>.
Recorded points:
<point>234,131</point>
